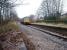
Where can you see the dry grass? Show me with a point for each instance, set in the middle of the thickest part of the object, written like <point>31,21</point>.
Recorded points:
<point>5,30</point>
<point>8,27</point>
<point>52,24</point>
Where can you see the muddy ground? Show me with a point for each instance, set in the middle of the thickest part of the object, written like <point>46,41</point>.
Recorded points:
<point>15,40</point>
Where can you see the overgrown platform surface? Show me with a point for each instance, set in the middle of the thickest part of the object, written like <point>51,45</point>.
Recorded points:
<point>13,41</point>
<point>11,38</point>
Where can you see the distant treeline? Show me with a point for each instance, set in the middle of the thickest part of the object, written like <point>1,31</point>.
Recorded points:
<point>51,11</point>
<point>53,20</point>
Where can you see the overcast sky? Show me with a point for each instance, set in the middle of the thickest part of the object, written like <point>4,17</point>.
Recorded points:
<point>65,6</point>
<point>31,6</point>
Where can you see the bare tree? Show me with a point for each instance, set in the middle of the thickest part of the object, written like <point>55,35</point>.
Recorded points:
<point>5,9</point>
<point>51,8</point>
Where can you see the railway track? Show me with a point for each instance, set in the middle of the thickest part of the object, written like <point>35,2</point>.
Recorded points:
<point>64,39</point>
<point>58,32</point>
<point>36,31</point>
